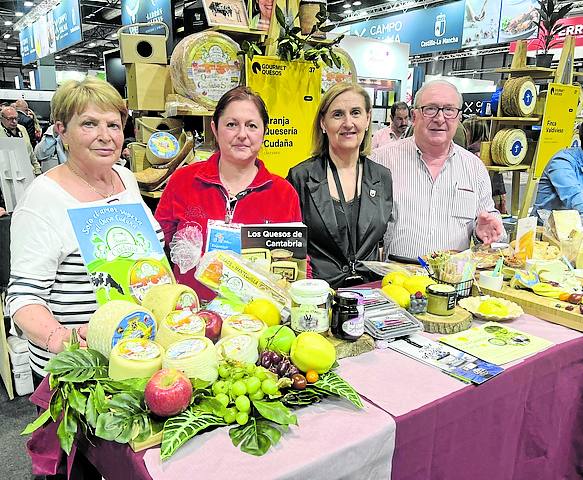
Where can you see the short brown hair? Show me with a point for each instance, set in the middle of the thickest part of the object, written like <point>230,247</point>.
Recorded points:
<point>239,94</point>
<point>319,139</point>
<point>73,97</point>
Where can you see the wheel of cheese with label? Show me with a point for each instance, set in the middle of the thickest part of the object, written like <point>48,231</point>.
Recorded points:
<point>162,147</point>
<point>179,325</point>
<point>519,97</point>
<point>196,357</point>
<point>163,299</point>
<point>135,358</point>
<point>346,72</point>
<point>242,348</point>
<point>509,147</point>
<point>146,274</point>
<point>118,320</point>
<point>204,66</point>
<point>243,323</point>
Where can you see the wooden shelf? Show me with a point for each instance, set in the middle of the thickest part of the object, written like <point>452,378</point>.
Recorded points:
<point>538,72</point>
<point>500,168</point>
<point>242,30</point>
<point>515,119</point>
<point>154,194</point>
<point>578,74</point>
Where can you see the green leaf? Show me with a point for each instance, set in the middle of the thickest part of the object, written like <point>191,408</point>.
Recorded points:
<point>56,405</point>
<point>332,383</point>
<point>91,413</point>
<point>301,398</point>
<point>212,405</point>
<point>295,30</point>
<point>129,402</point>
<point>121,427</point>
<point>335,59</point>
<point>276,412</point>
<point>77,401</point>
<point>37,423</point>
<point>128,385</point>
<point>181,428</point>
<point>257,436</point>
<point>99,399</point>
<point>279,16</point>
<point>67,430</point>
<point>77,366</point>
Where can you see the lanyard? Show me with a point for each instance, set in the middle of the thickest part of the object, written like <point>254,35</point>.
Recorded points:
<point>352,222</point>
<point>231,204</point>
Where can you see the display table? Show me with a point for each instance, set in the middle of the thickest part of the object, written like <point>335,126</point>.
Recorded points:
<point>526,423</point>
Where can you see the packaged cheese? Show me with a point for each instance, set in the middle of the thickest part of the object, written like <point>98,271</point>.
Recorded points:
<point>135,358</point>
<point>196,357</point>
<point>242,348</point>
<point>117,320</point>
<point>163,299</point>
<point>179,325</point>
<point>243,323</point>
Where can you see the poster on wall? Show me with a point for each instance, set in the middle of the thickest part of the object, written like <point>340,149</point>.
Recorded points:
<point>482,18</point>
<point>517,20</point>
<point>136,11</point>
<point>291,92</point>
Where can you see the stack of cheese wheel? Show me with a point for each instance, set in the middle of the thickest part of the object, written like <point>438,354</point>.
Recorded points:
<point>179,325</point>
<point>509,147</point>
<point>346,72</point>
<point>162,147</point>
<point>204,66</point>
<point>117,320</point>
<point>241,348</point>
<point>135,358</point>
<point>242,323</point>
<point>163,299</point>
<point>518,97</point>
<point>196,357</point>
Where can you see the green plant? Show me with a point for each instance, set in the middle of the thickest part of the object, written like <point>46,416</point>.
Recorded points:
<point>291,45</point>
<point>250,48</point>
<point>549,16</point>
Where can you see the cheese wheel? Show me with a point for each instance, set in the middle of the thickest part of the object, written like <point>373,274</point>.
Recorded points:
<point>162,147</point>
<point>243,323</point>
<point>163,299</point>
<point>117,320</point>
<point>526,97</point>
<point>196,357</point>
<point>509,147</point>
<point>241,348</point>
<point>179,325</point>
<point>135,358</point>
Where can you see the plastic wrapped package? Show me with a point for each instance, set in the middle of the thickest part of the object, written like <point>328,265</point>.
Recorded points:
<point>204,66</point>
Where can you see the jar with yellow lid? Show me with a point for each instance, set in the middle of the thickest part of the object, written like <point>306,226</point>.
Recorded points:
<point>441,299</point>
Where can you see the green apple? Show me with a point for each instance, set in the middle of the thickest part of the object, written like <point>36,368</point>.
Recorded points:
<point>277,338</point>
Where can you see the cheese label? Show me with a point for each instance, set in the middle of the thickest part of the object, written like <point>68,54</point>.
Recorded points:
<point>245,323</point>
<point>185,348</point>
<point>184,321</point>
<point>138,349</point>
<point>186,301</point>
<point>135,325</point>
<point>233,346</point>
<point>163,145</point>
<point>145,274</point>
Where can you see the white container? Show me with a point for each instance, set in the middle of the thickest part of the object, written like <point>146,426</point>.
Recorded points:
<point>23,380</point>
<point>310,306</point>
<point>491,282</point>
<point>18,351</point>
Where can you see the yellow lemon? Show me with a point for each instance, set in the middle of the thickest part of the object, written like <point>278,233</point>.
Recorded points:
<point>417,283</point>
<point>398,294</point>
<point>265,310</point>
<point>493,307</point>
<point>394,278</point>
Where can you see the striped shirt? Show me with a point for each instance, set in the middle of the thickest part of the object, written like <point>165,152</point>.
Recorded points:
<point>46,265</point>
<point>431,215</point>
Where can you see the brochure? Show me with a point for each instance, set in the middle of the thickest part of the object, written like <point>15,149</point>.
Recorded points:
<point>496,343</point>
<point>452,361</point>
<point>121,251</point>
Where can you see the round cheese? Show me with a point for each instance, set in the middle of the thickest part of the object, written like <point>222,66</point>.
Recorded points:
<point>162,147</point>
<point>145,274</point>
<point>163,299</point>
<point>204,66</point>
<point>243,323</point>
<point>196,357</point>
<point>179,325</point>
<point>345,72</point>
<point>118,320</point>
<point>135,358</point>
<point>526,97</point>
<point>509,147</point>
<point>242,348</point>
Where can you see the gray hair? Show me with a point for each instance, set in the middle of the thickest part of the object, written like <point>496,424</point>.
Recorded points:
<point>426,85</point>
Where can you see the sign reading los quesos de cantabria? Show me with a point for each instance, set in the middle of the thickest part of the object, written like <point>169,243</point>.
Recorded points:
<point>291,92</point>
<point>58,29</point>
<point>436,29</point>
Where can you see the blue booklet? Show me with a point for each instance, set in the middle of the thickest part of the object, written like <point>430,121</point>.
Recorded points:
<point>450,360</point>
<point>121,251</point>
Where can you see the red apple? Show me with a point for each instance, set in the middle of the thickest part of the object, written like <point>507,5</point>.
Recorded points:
<point>214,323</point>
<point>168,392</point>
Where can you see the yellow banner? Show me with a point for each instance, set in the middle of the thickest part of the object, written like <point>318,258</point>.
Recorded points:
<point>558,121</point>
<point>291,91</point>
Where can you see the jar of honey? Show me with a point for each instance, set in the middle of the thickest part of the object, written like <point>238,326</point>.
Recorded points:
<point>441,299</point>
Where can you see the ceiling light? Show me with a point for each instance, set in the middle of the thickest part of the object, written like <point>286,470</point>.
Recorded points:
<point>7,23</point>
<point>57,57</point>
<point>11,47</point>
<point>28,4</point>
<point>6,35</point>
<point>72,51</point>
<point>113,35</point>
<point>92,44</point>
<point>18,14</point>
<point>346,5</point>
<point>356,4</point>
<point>348,11</point>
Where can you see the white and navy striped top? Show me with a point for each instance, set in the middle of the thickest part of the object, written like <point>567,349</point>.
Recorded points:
<point>431,215</point>
<point>46,264</point>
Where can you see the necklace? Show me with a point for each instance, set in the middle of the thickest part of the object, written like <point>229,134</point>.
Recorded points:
<point>102,195</point>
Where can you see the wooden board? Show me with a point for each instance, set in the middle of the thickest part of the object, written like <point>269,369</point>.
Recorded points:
<point>549,309</point>
<point>460,320</point>
<point>351,349</point>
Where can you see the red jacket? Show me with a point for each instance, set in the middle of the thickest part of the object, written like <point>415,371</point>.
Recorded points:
<point>194,194</point>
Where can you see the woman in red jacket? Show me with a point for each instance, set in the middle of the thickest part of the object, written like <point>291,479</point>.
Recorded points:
<point>233,185</point>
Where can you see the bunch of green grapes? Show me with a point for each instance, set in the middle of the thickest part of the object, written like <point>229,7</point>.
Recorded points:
<point>238,385</point>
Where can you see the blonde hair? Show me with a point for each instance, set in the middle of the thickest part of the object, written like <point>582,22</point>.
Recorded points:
<point>73,97</point>
<point>320,139</point>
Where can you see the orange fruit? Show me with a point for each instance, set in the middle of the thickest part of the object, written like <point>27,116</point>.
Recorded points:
<point>312,376</point>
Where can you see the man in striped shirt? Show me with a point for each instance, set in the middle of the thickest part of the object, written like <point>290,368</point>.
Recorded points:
<point>441,192</point>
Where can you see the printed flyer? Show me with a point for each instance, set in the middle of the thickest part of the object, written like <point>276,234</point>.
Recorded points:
<point>121,251</point>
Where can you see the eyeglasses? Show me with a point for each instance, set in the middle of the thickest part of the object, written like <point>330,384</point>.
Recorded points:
<point>10,119</point>
<point>430,111</point>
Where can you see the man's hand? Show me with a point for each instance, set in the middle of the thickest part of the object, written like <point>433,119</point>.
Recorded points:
<point>489,228</point>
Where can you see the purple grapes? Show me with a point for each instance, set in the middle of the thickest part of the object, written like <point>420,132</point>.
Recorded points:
<point>278,364</point>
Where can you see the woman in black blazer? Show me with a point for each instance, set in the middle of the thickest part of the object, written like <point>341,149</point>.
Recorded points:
<point>346,199</point>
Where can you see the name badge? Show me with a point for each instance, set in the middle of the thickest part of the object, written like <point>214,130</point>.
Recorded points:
<point>223,236</point>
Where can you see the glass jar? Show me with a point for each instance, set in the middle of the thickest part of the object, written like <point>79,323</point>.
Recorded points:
<point>348,316</point>
<point>310,306</point>
<point>441,299</point>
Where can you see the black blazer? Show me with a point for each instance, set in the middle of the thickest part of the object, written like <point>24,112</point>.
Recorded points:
<point>328,251</point>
